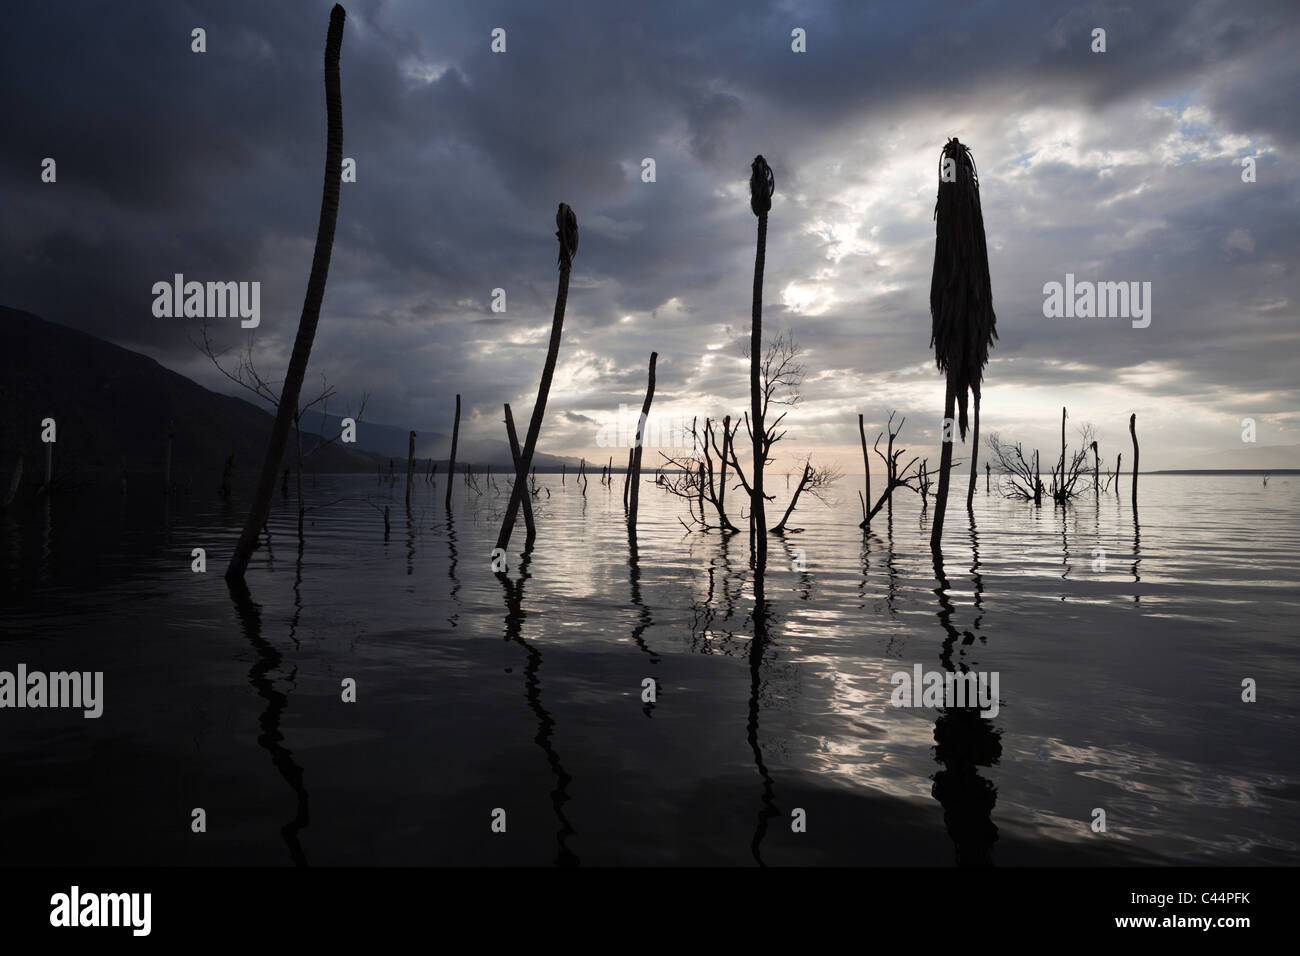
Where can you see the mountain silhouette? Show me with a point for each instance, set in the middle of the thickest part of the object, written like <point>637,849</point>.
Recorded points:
<point>110,404</point>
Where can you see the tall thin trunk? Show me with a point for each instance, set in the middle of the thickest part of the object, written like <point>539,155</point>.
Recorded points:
<point>1038,481</point>
<point>699,496</point>
<point>758,513</point>
<point>640,440</point>
<point>945,466</point>
<point>1118,459</point>
<point>722,472</point>
<point>529,528</point>
<point>1132,430</point>
<point>1061,488</point>
<point>866,469</point>
<point>974,453</point>
<point>451,465</point>
<point>320,264</point>
<point>410,467</point>
<point>627,478</point>
<point>567,233</point>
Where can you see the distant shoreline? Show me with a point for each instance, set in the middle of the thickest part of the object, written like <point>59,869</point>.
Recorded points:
<point>1225,471</point>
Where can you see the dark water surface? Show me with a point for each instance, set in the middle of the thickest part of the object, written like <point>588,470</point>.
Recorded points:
<point>1120,685</point>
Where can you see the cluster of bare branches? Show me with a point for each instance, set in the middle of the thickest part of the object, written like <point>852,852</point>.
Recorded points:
<point>817,482</point>
<point>910,475</point>
<point>1020,475</point>
<point>1068,478</point>
<point>701,476</point>
<point>694,477</point>
<point>244,373</point>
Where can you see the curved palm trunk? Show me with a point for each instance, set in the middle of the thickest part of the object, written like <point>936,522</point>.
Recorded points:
<point>640,447</point>
<point>410,467</point>
<point>451,464</point>
<point>945,466</point>
<point>1132,430</point>
<point>530,529</point>
<point>974,453</point>
<point>758,514</point>
<point>568,246</point>
<point>866,470</point>
<point>320,265</point>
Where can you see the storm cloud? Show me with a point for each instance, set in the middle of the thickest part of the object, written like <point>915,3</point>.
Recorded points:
<point>1114,166</point>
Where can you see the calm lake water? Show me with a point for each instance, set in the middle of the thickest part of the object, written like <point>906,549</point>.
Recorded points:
<point>1120,683</point>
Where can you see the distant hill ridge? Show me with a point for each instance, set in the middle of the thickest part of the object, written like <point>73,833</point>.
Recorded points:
<point>112,405</point>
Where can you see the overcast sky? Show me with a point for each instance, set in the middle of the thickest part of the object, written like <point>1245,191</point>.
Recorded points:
<point>1114,166</point>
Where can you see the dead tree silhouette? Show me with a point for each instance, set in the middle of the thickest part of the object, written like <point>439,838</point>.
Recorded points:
<point>320,265</point>
<point>961,305</point>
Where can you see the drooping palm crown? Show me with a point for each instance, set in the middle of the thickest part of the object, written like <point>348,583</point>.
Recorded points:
<point>961,296</point>
<point>566,230</point>
<point>762,184</point>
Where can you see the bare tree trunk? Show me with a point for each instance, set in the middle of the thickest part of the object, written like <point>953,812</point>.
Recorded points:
<point>1132,430</point>
<point>945,466</point>
<point>1096,472</point>
<point>803,482</point>
<point>1061,487</point>
<point>974,453</point>
<point>866,468</point>
<point>699,495</point>
<point>320,264</point>
<point>1038,482</point>
<point>627,477</point>
<point>640,440</point>
<point>757,510</point>
<point>1118,459</point>
<point>451,465</point>
<point>722,485</point>
<point>410,467</point>
<point>987,471</point>
<point>548,371</point>
<point>529,528</point>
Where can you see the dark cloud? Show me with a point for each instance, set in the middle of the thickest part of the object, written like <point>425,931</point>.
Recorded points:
<point>1115,166</point>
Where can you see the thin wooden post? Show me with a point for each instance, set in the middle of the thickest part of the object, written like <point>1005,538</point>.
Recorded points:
<point>1132,430</point>
<point>640,441</point>
<point>529,528</point>
<point>451,465</point>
